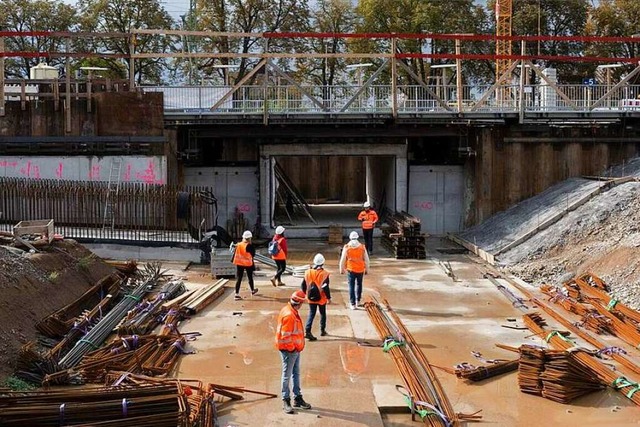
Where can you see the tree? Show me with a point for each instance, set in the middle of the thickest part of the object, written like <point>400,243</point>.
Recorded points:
<point>248,16</point>
<point>615,18</point>
<point>122,16</point>
<point>553,18</point>
<point>38,15</point>
<point>424,16</point>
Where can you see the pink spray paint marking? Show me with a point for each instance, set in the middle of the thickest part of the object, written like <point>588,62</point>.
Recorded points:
<point>94,173</point>
<point>26,170</point>
<point>148,176</point>
<point>60,171</point>
<point>36,172</point>
<point>127,174</point>
<point>8,164</point>
<point>244,207</point>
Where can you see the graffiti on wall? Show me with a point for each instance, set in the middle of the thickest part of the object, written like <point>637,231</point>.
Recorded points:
<point>146,169</point>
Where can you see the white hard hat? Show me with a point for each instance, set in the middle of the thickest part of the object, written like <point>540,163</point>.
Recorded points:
<point>353,235</point>
<point>318,259</point>
<point>247,235</point>
<point>279,229</point>
<point>366,205</point>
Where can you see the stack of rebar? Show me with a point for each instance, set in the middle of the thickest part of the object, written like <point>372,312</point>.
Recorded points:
<point>554,375</point>
<point>479,373</point>
<point>144,317</point>
<point>158,405</point>
<point>57,324</point>
<point>96,336</point>
<point>591,319</point>
<point>402,236</point>
<point>426,395</point>
<point>587,360</point>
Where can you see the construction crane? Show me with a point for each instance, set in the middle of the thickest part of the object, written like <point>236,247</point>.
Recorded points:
<point>504,13</point>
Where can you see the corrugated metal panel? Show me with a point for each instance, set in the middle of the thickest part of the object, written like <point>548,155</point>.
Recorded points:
<point>436,197</point>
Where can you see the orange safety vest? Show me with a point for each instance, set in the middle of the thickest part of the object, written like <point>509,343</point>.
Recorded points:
<point>317,276</point>
<point>281,255</point>
<point>289,333</point>
<point>355,258</point>
<point>242,257</point>
<point>368,219</point>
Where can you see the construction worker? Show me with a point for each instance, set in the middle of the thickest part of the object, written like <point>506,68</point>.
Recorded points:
<point>243,259</point>
<point>355,261</point>
<point>369,217</point>
<point>290,343</point>
<point>280,257</point>
<point>316,286</point>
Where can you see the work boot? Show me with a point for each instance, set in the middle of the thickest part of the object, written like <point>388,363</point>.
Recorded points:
<point>324,333</point>
<point>273,281</point>
<point>286,406</point>
<point>299,402</point>
<point>310,337</point>
<point>280,283</point>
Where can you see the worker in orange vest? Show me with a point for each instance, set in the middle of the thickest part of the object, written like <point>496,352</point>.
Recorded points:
<point>355,261</point>
<point>316,286</point>
<point>281,257</point>
<point>369,217</point>
<point>290,343</point>
<point>243,259</point>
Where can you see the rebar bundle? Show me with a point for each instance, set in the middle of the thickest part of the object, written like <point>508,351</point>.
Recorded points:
<point>479,373</point>
<point>592,286</point>
<point>96,336</point>
<point>554,375</point>
<point>145,316</point>
<point>591,319</point>
<point>596,369</point>
<point>57,324</point>
<point>158,405</point>
<point>426,395</point>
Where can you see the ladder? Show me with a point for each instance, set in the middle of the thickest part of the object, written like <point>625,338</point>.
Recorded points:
<point>115,173</point>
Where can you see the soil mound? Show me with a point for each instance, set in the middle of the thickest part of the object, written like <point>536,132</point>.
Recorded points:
<point>35,285</point>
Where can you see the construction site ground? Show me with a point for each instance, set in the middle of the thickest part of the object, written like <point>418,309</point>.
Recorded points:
<point>350,384</point>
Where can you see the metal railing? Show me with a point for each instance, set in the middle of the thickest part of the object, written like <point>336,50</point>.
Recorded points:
<point>410,99</point>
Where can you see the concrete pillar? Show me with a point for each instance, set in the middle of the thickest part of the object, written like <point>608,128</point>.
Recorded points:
<point>484,162</point>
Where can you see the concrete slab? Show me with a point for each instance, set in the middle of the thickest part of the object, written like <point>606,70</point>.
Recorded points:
<point>348,383</point>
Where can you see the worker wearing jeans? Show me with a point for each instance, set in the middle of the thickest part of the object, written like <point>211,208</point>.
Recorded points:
<point>290,342</point>
<point>355,261</point>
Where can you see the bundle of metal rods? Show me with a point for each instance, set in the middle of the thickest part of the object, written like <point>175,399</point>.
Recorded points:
<point>144,317</point>
<point>597,292</point>
<point>426,392</point>
<point>96,336</point>
<point>147,354</point>
<point>590,318</point>
<point>57,324</point>
<point>615,353</point>
<point>554,375</point>
<point>158,405</point>
<point>479,373</point>
<point>597,369</point>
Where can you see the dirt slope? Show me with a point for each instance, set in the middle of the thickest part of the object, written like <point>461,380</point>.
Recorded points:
<point>35,285</point>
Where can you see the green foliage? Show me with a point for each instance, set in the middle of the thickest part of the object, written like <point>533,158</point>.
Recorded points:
<point>123,16</point>
<point>30,15</point>
<point>16,384</point>
<point>85,262</point>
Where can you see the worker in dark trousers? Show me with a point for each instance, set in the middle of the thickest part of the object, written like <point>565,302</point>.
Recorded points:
<point>369,217</point>
<point>316,286</point>
<point>280,257</point>
<point>243,259</point>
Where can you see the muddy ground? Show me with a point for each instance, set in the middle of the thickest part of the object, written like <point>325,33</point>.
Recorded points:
<point>34,285</point>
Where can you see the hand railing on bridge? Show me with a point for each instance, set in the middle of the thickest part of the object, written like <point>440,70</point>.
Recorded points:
<point>377,99</point>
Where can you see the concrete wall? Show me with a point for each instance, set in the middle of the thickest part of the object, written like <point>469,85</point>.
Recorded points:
<point>509,168</point>
<point>236,189</point>
<point>436,196</point>
<point>147,169</point>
